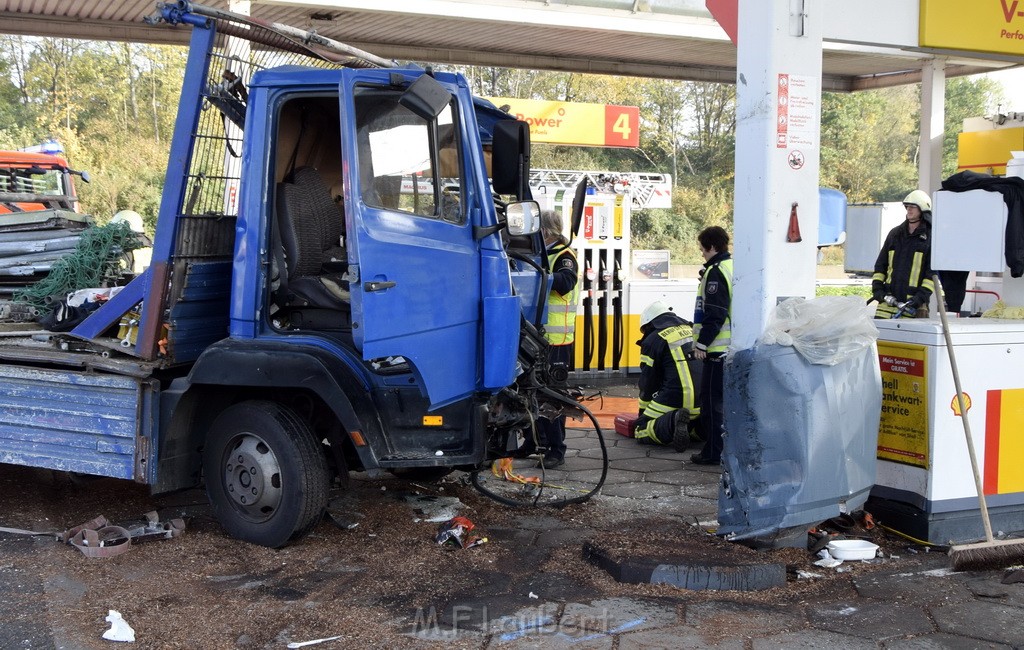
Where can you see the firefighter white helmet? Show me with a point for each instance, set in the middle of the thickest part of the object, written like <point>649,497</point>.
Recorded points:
<point>920,199</point>
<point>132,218</point>
<point>655,309</point>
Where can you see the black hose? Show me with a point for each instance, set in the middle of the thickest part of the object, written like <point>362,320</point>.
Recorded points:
<point>475,474</point>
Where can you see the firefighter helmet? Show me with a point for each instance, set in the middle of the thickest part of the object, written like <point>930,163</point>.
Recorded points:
<point>920,199</point>
<point>653,310</point>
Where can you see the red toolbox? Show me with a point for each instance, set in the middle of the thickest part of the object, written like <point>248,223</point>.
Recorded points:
<point>625,424</point>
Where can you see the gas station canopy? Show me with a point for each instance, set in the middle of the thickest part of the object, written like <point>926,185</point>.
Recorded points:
<point>671,39</point>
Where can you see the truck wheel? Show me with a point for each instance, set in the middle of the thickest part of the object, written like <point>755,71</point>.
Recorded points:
<point>265,473</point>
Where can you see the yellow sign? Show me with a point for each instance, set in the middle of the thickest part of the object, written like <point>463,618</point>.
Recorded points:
<point>903,430</point>
<point>979,25</point>
<point>598,125</point>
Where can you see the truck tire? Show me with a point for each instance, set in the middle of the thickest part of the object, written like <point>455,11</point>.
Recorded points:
<point>266,475</point>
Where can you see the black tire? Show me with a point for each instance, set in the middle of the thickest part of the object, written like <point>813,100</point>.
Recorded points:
<point>266,474</point>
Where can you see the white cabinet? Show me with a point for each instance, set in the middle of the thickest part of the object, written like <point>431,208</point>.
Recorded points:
<point>867,224</point>
<point>968,231</point>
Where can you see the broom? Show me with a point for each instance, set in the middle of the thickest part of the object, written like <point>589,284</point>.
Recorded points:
<point>992,553</point>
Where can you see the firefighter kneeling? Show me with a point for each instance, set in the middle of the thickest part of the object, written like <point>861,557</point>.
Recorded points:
<point>669,379</point>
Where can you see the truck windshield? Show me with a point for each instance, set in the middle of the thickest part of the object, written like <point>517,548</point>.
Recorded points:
<point>33,180</point>
<point>404,164</point>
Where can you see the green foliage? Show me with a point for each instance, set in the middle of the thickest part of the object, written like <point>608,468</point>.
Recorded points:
<point>869,143</point>
<point>861,290</point>
<point>112,106</point>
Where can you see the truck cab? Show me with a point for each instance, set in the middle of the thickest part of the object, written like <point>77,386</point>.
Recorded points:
<point>345,276</point>
<point>31,181</point>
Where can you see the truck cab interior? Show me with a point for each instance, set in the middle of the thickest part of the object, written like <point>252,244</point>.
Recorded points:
<point>309,286</point>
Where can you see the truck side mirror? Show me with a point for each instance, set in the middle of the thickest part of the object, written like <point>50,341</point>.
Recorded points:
<point>426,97</point>
<point>523,218</point>
<point>511,158</point>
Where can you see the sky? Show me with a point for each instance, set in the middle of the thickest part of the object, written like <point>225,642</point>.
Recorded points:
<point>1013,88</point>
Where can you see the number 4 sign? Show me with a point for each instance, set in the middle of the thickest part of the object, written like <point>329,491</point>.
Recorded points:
<point>621,126</point>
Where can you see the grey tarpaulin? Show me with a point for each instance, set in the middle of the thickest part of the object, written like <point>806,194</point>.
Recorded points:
<point>800,444</point>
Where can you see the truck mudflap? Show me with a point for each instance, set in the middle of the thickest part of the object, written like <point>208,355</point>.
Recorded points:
<point>77,422</point>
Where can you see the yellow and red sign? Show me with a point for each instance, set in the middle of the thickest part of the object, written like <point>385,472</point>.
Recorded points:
<point>595,125</point>
<point>903,430</point>
<point>979,25</point>
<point>1004,441</point>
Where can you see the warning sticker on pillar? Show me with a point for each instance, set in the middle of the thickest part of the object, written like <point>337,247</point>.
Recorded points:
<point>797,112</point>
<point>903,429</point>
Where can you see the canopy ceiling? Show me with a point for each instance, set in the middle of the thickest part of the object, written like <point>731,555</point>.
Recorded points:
<point>672,39</point>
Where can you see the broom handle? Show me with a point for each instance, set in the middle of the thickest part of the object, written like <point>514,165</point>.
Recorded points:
<point>963,410</point>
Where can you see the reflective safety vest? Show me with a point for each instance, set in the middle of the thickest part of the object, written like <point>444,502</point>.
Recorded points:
<point>560,327</point>
<point>724,338</point>
<point>676,337</point>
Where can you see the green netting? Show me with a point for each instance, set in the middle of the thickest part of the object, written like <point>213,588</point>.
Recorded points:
<point>97,261</point>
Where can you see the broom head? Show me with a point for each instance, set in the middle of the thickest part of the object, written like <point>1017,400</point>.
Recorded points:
<point>986,555</point>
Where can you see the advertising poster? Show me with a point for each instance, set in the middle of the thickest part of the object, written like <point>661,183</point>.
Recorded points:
<point>651,265</point>
<point>903,430</point>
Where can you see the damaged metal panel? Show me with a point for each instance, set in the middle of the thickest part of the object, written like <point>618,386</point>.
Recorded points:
<point>77,422</point>
<point>801,442</point>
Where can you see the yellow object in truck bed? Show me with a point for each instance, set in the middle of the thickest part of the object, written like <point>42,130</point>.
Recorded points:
<point>987,152</point>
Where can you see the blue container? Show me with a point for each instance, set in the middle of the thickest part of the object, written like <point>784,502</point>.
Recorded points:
<point>831,217</point>
<point>800,445</point>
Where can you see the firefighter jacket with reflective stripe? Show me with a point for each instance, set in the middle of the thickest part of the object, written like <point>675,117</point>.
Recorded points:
<point>666,383</point>
<point>903,268</point>
<point>560,327</point>
<point>712,316</point>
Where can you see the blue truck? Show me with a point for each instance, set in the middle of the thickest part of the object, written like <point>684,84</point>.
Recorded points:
<point>347,275</point>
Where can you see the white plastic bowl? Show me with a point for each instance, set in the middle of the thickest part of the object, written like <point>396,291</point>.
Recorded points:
<point>852,549</point>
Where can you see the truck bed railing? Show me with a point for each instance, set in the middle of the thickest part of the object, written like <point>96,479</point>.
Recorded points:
<point>202,185</point>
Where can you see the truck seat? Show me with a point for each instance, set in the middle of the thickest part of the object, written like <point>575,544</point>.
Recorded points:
<point>310,224</point>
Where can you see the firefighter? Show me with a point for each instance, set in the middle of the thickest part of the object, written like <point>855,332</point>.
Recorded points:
<point>902,283</point>
<point>668,390</point>
<point>559,330</point>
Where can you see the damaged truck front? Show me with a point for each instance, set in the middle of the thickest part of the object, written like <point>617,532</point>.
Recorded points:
<point>336,285</point>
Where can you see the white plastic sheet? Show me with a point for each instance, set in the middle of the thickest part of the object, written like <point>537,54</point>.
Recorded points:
<point>825,331</point>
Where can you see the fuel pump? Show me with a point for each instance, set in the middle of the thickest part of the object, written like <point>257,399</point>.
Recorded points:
<point>606,324</point>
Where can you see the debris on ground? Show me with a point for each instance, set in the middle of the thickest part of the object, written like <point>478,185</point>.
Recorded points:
<point>119,628</point>
<point>455,532</point>
<point>433,508</point>
<point>303,644</point>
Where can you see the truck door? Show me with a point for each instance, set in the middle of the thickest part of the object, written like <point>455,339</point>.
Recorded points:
<point>418,291</point>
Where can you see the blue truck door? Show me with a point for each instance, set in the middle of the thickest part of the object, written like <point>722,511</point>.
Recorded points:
<point>411,238</point>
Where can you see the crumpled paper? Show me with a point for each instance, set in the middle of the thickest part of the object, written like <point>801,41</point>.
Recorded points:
<point>119,628</point>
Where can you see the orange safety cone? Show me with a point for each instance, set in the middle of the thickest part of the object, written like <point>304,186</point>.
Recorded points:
<point>793,233</point>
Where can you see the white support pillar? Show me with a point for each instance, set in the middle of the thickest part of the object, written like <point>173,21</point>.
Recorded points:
<point>778,115</point>
<point>933,125</point>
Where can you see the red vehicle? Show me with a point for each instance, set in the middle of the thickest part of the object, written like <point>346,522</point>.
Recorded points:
<point>30,182</point>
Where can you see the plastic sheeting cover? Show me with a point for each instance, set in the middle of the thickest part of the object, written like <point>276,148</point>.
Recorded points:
<point>800,445</point>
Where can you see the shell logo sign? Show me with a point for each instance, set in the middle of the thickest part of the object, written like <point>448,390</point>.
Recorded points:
<point>979,25</point>
<point>595,125</point>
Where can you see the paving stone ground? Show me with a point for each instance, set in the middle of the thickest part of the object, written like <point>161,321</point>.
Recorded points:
<point>928,607</point>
